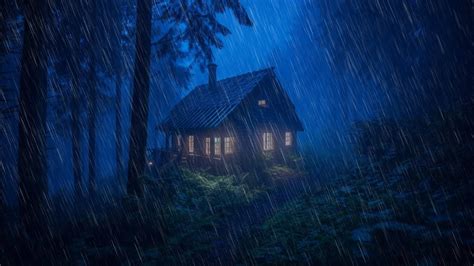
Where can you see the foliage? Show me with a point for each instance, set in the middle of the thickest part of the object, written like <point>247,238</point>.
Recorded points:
<point>403,48</point>
<point>194,206</point>
<point>194,24</point>
<point>444,131</point>
<point>218,193</point>
<point>403,203</point>
<point>281,171</point>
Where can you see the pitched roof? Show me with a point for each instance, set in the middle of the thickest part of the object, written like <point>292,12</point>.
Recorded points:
<point>205,108</point>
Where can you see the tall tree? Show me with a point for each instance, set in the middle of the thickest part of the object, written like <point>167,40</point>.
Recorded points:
<point>10,48</point>
<point>118,125</point>
<point>123,37</point>
<point>141,88</point>
<point>77,28</point>
<point>191,22</point>
<point>92,94</point>
<point>68,52</point>
<point>32,169</point>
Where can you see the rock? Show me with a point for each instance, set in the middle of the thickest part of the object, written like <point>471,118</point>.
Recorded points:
<point>402,195</point>
<point>153,254</point>
<point>346,189</point>
<point>412,229</point>
<point>362,234</point>
<point>375,203</point>
<point>383,214</point>
<point>394,179</point>
<point>360,252</point>
<point>440,219</point>
<point>402,169</point>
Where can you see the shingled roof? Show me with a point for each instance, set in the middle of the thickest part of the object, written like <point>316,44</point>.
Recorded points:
<point>207,108</point>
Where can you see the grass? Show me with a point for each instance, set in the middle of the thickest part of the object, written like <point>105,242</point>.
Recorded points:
<point>195,206</point>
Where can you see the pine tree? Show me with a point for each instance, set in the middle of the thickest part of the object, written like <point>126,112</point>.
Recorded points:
<point>141,87</point>
<point>32,168</point>
<point>92,94</point>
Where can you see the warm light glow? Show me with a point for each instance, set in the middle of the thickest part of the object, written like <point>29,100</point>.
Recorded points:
<point>207,149</point>
<point>191,144</point>
<point>267,141</point>
<point>229,144</point>
<point>288,139</point>
<point>217,146</point>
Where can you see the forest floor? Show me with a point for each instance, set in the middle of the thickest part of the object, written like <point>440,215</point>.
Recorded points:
<point>396,203</point>
<point>246,219</point>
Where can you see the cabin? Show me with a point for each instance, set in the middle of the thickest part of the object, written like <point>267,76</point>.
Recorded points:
<point>233,123</point>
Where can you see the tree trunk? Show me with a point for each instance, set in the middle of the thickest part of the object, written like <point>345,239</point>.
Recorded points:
<point>118,126</point>
<point>92,113</point>
<point>3,204</point>
<point>76,73</point>
<point>32,169</point>
<point>141,89</point>
<point>76,137</point>
<point>92,100</point>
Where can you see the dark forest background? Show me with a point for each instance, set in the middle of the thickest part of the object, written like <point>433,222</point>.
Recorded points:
<point>85,83</point>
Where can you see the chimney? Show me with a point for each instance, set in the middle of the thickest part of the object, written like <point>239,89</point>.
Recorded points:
<point>212,71</point>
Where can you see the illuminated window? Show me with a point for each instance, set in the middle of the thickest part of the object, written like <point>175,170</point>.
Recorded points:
<point>217,146</point>
<point>207,149</point>
<point>267,141</point>
<point>288,139</point>
<point>191,144</point>
<point>262,103</point>
<point>229,145</point>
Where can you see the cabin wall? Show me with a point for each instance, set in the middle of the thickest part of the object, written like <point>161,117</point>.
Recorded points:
<point>248,147</point>
<point>224,162</point>
<point>274,118</point>
<point>280,151</point>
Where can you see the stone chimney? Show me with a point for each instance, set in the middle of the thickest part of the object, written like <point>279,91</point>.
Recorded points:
<point>212,71</point>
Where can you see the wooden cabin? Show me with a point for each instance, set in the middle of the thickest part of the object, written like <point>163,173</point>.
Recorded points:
<point>234,122</point>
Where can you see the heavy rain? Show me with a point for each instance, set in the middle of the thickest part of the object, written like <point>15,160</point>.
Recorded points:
<point>236,132</point>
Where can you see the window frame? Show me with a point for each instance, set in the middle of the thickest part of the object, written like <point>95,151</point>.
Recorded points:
<point>207,146</point>
<point>288,138</point>
<point>229,145</point>
<point>191,144</point>
<point>262,103</point>
<point>268,141</point>
<point>217,148</point>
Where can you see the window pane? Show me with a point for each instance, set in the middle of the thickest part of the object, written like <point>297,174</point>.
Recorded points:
<point>208,146</point>
<point>217,146</point>
<point>229,145</point>
<point>288,139</point>
<point>267,141</point>
<point>191,144</point>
